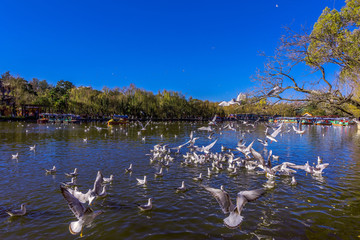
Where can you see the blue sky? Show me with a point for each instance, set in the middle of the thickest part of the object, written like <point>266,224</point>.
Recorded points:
<point>204,49</point>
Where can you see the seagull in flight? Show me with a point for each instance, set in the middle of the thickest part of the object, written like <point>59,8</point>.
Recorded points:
<point>222,197</point>
<point>298,131</point>
<point>84,215</point>
<point>143,128</point>
<point>274,134</point>
<point>213,121</point>
<point>32,148</point>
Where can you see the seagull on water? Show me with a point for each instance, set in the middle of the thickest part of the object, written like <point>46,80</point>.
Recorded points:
<point>199,178</point>
<point>109,179</point>
<point>182,188</point>
<point>142,181</point>
<point>51,171</point>
<point>147,206</point>
<point>18,212</point>
<point>32,148</point>
<point>73,174</point>
<point>15,156</point>
<point>160,173</point>
<point>222,197</point>
<point>129,169</point>
<point>70,184</point>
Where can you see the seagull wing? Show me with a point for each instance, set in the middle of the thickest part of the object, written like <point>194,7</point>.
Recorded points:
<point>258,156</point>
<point>295,129</point>
<point>180,146</point>
<point>74,204</point>
<point>191,135</point>
<point>97,184</point>
<point>142,126</point>
<point>208,147</point>
<point>221,197</point>
<point>211,134</point>
<point>147,123</point>
<point>224,104</point>
<point>269,159</point>
<point>247,196</point>
<point>276,132</point>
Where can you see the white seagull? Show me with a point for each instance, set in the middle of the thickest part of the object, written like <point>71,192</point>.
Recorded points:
<point>32,148</point>
<point>182,188</point>
<point>19,212</point>
<point>84,215</point>
<point>222,197</point>
<point>142,181</point>
<point>147,206</point>
<point>73,174</point>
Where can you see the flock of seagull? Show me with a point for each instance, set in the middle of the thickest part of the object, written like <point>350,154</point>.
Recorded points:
<point>228,160</point>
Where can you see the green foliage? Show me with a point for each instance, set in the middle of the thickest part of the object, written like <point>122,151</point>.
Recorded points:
<point>66,98</point>
<point>335,39</point>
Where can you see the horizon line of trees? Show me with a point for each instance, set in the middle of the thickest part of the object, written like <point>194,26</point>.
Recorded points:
<point>65,97</point>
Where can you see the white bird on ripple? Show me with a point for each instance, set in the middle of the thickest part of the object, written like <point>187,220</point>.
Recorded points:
<point>32,148</point>
<point>160,173</point>
<point>199,178</point>
<point>129,169</point>
<point>70,184</point>
<point>51,171</point>
<point>73,174</point>
<point>18,212</point>
<point>182,188</point>
<point>109,179</point>
<point>146,207</point>
<point>15,156</point>
<point>142,181</point>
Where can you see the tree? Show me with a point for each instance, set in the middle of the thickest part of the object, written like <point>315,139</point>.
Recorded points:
<point>334,41</point>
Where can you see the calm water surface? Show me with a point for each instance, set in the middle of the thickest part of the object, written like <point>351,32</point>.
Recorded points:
<point>326,207</point>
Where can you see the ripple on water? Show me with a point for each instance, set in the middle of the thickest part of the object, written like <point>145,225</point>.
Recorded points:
<point>316,208</point>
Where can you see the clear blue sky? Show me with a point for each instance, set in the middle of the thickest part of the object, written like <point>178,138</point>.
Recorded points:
<point>204,49</point>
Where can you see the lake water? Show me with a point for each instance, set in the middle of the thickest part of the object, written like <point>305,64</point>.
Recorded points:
<point>316,208</point>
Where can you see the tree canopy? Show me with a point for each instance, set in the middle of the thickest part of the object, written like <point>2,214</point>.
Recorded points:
<point>333,43</point>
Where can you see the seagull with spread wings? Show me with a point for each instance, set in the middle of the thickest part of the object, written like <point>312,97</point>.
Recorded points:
<point>84,215</point>
<point>222,197</point>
